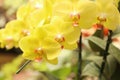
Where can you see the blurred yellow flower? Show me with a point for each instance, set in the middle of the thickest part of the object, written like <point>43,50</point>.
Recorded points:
<point>44,27</point>
<point>7,40</point>
<point>35,12</point>
<point>13,32</point>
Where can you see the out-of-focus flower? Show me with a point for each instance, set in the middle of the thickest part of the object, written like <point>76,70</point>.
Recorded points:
<point>13,32</point>
<point>44,27</point>
<point>35,13</point>
<point>39,47</point>
<point>108,14</point>
<point>7,40</point>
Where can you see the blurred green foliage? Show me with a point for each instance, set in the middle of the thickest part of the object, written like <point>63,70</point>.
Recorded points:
<point>11,7</point>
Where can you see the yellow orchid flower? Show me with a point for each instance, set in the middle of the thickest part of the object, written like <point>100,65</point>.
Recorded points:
<point>63,33</point>
<point>108,14</point>
<point>39,46</point>
<point>7,40</point>
<point>78,12</point>
<point>17,28</point>
<point>13,32</point>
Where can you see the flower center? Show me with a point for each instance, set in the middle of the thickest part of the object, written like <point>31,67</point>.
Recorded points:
<point>9,42</point>
<point>9,39</point>
<point>25,33</point>
<point>102,18</point>
<point>75,16</point>
<point>39,51</point>
<point>59,38</point>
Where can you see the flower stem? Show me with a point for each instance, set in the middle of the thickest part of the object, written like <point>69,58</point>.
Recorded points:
<point>79,58</point>
<point>109,40</point>
<point>22,67</point>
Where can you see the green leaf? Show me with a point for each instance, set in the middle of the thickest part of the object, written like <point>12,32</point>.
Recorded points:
<point>62,73</point>
<point>93,68</point>
<point>116,75</point>
<point>50,76</point>
<point>110,66</point>
<point>94,47</point>
<point>1,76</point>
<point>117,31</point>
<point>114,51</point>
<point>93,57</point>
<point>39,66</point>
<point>10,68</point>
<point>116,35</point>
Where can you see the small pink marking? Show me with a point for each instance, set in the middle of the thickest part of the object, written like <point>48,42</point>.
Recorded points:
<point>38,59</point>
<point>115,40</point>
